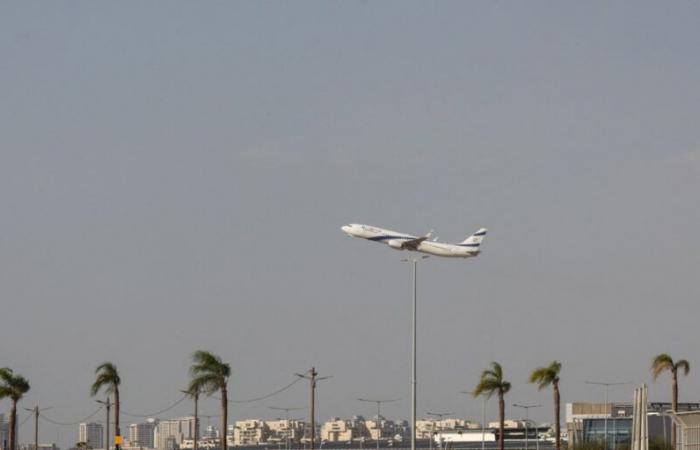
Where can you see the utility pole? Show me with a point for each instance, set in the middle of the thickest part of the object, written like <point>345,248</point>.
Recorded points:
<point>439,416</point>
<point>313,377</point>
<point>607,385</point>
<point>527,423</point>
<point>194,393</point>
<point>378,402</point>
<point>107,405</point>
<point>36,412</point>
<point>286,417</point>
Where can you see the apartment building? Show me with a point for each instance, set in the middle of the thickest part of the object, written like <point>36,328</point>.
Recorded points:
<point>91,433</point>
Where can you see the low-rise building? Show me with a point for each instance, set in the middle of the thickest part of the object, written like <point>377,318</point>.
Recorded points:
<point>598,421</point>
<point>336,430</point>
<point>283,430</point>
<point>250,432</point>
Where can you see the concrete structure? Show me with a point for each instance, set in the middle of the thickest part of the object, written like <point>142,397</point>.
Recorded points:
<point>143,434</point>
<point>91,433</point>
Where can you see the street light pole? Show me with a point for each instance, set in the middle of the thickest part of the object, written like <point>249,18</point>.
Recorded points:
<point>107,405</point>
<point>286,417</point>
<point>607,385</point>
<point>414,381</point>
<point>483,418</point>
<point>527,423</point>
<point>439,416</point>
<point>378,423</point>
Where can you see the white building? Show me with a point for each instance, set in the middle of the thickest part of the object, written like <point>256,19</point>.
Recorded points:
<point>91,433</point>
<point>250,432</point>
<point>172,432</point>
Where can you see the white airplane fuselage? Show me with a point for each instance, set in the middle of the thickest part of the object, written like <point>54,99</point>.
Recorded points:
<point>403,241</point>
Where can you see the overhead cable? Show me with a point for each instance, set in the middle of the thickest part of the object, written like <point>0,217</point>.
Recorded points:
<point>66,424</point>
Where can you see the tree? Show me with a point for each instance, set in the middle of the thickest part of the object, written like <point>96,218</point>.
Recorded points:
<point>108,378</point>
<point>209,375</point>
<point>492,382</point>
<point>662,363</point>
<point>543,377</point>
<point>13,386</point>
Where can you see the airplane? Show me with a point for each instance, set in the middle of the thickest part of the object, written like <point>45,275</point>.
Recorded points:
<point>470,247</point>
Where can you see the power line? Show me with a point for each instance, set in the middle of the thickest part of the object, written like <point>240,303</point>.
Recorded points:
<point>157,412</point>
<point>25,420</point>
<point>68,424</point>
<point>257,399</point>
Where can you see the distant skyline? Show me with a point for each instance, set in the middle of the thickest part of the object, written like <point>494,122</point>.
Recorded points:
<point>174,176</point>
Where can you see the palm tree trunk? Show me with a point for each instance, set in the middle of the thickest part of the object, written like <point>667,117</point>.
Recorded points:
<point>224,417</point>
<point>557,413</point>
<point>674,403</point>
<point>501,420</point>
<point>13,424</point>
<point>116,417</point>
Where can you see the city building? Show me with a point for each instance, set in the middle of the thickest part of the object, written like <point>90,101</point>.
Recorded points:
<point>211,432</point>
<point>613,421</point>
<point>282,430</point>
<point>4,432</point>
<point>170,433</point>
<point>92,433</point>
<point>143,434</point>
<point>250,432</point>
<point>343,430</point>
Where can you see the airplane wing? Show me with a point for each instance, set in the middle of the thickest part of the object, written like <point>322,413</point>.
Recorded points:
<point>414,243</point>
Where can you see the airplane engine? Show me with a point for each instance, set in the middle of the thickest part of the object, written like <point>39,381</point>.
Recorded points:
<point>395,243</point>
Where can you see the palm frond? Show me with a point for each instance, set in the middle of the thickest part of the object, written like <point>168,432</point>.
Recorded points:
<point>14,385</point>
<point>107,377</point>
<point>544,376</point>
<point>683,364</point>
<point>209,372</point>
<point>660,364</point>
<point>505,387</point>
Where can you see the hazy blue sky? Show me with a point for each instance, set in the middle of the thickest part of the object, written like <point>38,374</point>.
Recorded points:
<point>173,177</point>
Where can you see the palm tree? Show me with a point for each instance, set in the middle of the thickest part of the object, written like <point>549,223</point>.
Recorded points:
<point>14,387</point>
<point>662,363</point>
<point>543,377</point>
<point>492,382</point>
<point>210,374</point>
<point>108,378</point>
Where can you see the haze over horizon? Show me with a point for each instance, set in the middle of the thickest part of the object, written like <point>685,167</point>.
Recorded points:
<point>174,177</point>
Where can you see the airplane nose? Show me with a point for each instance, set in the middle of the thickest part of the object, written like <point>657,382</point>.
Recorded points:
<point>345,228</point>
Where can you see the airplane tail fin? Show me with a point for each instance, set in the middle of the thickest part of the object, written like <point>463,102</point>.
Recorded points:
<point>475,239</point>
